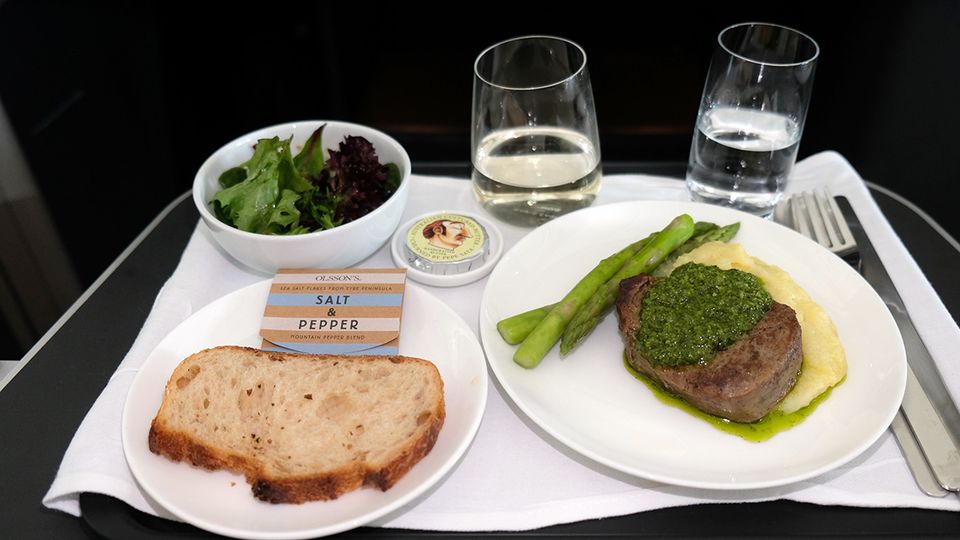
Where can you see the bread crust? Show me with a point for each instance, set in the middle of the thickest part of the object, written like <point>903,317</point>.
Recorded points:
<point>327,485</point>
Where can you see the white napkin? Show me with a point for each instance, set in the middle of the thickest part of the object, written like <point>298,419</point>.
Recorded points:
<point>515,476</point>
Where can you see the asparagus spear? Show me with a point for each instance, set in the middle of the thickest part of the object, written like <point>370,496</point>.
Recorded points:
<point>516,328</point>
<point>701,227</point>
<point>586,319</point>
<point>722,234</point>
<point>548,330</point>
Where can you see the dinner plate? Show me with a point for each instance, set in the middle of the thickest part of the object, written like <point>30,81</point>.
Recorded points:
<point>221,501</point>
<point>589,402</point>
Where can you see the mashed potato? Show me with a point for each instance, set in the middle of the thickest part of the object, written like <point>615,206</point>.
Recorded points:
<point>824,363</point>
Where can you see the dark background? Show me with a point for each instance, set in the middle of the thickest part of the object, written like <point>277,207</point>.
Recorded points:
<point>117,105</point>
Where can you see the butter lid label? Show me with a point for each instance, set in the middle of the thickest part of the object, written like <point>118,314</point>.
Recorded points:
<point>355,311</point>
<point>446,238</point>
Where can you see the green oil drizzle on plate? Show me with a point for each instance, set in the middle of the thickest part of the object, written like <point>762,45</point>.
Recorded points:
<point>759,431</point>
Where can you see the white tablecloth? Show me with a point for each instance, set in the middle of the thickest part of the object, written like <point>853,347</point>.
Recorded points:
<point>538,482</point>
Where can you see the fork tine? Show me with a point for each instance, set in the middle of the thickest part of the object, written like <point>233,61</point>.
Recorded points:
<point>846,235</point>
<point>830,221</point>
<point>816,219</point>
<point>801,222</point>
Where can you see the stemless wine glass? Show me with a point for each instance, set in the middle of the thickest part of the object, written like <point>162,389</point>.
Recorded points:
<point>751,116</point>
<point>534,141</point>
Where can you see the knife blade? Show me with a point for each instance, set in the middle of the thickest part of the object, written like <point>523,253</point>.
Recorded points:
<point>916,461</point>
<point>925,416</point>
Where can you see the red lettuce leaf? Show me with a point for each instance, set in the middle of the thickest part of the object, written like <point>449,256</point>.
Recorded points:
<point>355,178</point>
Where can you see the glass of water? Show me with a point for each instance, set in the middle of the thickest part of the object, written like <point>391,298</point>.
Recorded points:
<point>751,116</point>
<point>534,141</point>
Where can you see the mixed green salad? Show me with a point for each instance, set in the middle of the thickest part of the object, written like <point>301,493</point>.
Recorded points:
<point>275,192</point>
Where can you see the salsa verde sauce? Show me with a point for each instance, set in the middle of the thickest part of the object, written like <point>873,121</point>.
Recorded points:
<point>696,311</point>
<point>768,426</point>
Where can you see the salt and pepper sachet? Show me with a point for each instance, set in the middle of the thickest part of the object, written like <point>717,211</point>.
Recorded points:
<point>354,311</point>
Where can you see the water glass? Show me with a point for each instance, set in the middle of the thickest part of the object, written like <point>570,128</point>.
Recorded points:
<point>751,116</point>
<point>534,142</point>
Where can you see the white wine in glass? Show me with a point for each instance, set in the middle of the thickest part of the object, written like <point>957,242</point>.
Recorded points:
<point>536,153</point>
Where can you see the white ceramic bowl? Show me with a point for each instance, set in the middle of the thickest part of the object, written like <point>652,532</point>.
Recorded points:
<point>339,247</point>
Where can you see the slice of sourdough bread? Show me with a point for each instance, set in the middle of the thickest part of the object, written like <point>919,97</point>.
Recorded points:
<point>300,427</point>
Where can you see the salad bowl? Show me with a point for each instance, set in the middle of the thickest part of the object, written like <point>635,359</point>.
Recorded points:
<point>341,246</point>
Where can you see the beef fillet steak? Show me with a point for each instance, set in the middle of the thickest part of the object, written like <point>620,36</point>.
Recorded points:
<point>742,382</point>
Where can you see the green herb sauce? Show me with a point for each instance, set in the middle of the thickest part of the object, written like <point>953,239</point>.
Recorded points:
<point>759,431</point>
<point>696,311</point>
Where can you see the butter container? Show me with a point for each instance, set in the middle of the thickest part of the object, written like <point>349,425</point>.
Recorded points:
<point>447,249</point>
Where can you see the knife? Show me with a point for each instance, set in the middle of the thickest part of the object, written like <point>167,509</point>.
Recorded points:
<point>916,461</point>
<point>928,419</point>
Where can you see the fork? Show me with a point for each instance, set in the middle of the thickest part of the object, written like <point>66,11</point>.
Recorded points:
<point>816,215</point>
